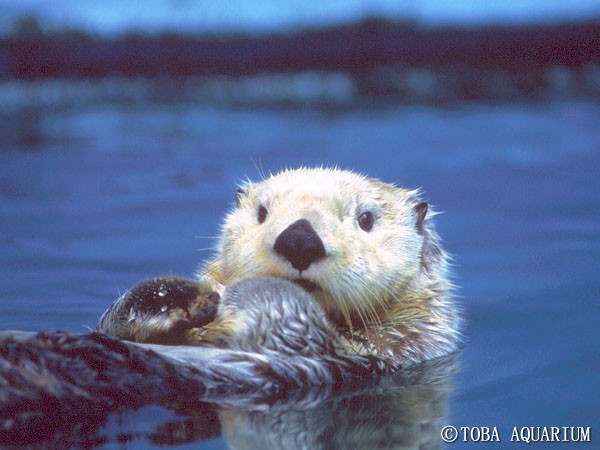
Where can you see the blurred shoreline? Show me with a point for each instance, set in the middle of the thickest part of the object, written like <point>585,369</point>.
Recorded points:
<point>330,91</point>
<point>376,59</point>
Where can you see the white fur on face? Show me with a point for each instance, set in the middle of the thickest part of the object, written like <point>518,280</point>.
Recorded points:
<point>360,266</point>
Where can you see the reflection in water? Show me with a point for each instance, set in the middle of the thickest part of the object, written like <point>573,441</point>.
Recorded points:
<point>406,410</point>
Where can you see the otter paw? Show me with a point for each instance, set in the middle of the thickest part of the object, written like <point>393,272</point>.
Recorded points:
<point>162,310</point>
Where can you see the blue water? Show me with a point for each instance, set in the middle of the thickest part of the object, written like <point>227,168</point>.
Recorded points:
<point>94,198</point>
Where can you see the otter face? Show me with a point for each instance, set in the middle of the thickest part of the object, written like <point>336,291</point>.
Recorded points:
<point>354,243</point>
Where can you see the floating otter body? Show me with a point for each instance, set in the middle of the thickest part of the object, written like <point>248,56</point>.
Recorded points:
<point>365,251</point>
<point>323,281</point>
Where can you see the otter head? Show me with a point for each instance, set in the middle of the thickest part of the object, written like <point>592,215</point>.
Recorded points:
<point>355,244</point>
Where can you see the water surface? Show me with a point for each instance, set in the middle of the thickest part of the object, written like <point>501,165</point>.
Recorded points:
<point>96,197</point>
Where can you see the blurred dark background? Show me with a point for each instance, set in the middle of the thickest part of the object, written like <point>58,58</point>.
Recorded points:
<point>125,127</point>
<point>433,55</point>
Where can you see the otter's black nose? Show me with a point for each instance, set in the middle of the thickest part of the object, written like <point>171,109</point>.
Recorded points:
<point>300,244</point>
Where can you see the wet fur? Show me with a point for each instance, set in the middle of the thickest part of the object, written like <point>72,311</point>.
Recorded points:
<point>387,290</point>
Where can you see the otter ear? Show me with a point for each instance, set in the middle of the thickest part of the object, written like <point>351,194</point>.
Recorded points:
<point>239,195</point>
<point>421,212</point>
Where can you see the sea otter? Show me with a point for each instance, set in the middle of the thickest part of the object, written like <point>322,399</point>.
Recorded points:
<point>323,282</point>
<point>365,251</point>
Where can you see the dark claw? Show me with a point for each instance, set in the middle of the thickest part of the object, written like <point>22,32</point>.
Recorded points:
<point>214,297</point>
<point>205,315</point>
<point>180,327</point>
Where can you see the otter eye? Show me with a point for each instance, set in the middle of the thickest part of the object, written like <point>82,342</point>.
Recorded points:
<point>366,220</point>
<point>262,214</point>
